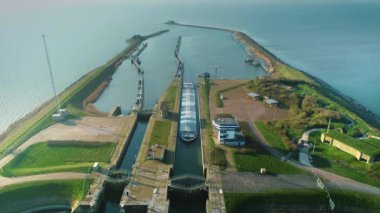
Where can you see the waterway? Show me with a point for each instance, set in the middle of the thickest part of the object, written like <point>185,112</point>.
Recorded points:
<point>159,67</point>
<point>112,203</point>
<point>341,46</point>
<point>188,160</point>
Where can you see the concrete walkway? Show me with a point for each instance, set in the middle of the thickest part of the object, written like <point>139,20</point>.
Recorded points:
<point>304,155</point>
<point>6,181</point>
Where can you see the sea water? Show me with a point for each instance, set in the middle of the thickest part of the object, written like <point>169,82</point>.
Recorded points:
<point>335,41</point>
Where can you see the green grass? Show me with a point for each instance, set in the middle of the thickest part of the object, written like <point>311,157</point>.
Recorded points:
<point>287,72</point>
<point>160,133</point>
<point>171,95</point>
<point>271,137</point>
<point>75,112</point>
<point>254,157</point>
<point>253,163</point>
<point>344,200</point>
<point>248,202</point>
<point>359,123</point>
<point>218,157</point>
<point>336,161</point>
<point>48,157</point>
<point>367,146</point>
<point>21,197</point>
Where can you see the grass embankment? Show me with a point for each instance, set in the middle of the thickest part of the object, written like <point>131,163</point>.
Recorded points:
<point>171,94</point>
<point>160,132</point>
<point>290,73</point>
<point>368,146</point>
<point>307,108</point>
<point>73,97</point>
<point>271,137</point>
<point>217,155</point>
<point>163,131</point>
<point>334,160</point>
<point>300,200</point>
<point>48,157</point>
<point>22,197</point>
<point>254,157</point>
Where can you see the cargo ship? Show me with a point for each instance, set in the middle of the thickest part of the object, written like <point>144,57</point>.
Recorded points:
<point>188,117</point>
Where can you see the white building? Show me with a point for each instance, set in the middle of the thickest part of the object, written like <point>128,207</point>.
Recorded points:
<point>228,131</point>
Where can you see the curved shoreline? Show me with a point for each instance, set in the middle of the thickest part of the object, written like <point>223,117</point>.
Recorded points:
<point>273,60</point>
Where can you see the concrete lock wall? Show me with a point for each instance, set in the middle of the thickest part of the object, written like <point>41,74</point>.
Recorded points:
<point>346,148</point>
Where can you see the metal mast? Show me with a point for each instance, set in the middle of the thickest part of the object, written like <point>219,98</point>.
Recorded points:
<point>51,75</point>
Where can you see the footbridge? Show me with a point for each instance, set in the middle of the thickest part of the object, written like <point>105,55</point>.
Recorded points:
<point>188,182</point>
<point>118,176</point>
<point>180,65</point>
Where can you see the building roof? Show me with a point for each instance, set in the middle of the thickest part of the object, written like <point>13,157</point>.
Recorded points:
<point>253,95</point>
<point>226,121</point>
<point>270,101</point>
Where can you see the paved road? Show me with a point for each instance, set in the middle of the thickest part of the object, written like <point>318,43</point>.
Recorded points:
<point>253,182</point>
<point>333,180</point>
<point>304,156</point>
<point>5,181</point>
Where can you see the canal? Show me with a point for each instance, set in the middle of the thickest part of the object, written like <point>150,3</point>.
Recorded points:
<point>112,203</point>
<point>202,51</point>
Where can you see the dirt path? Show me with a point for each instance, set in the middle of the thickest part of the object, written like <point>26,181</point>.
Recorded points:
<point>4,181</point>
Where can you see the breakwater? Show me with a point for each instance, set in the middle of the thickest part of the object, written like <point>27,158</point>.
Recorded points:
<point>273,61</point>
<point>135,60</point>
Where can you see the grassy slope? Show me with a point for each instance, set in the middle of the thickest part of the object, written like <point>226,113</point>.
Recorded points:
<point>254,157</point>
<point>253,163</point>
<point>334,160</point>
<point>217,155</point>
<point>344,200</point>
<point>287,72</point>
<point>16,198</point>
<point>170,96</point>
<point>271,137</point>
<point>57,157</point>
<point>359,123</point>
<point>160,133</point>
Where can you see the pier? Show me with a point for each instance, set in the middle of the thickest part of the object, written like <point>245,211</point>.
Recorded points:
<point>138,106</point>
<point>140,50</point>
<point>180,65</point>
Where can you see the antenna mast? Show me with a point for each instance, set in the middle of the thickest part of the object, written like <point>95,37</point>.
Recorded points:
<point>51,75</point>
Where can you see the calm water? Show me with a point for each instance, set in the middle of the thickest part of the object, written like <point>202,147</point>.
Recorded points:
<point>337,42</point>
